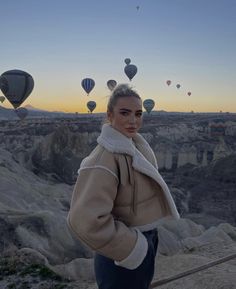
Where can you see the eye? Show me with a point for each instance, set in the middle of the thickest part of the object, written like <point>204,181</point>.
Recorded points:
<point>139,114</point>
<point>124,113</point>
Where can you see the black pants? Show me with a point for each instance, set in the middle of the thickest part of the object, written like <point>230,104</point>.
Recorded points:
<point>110,276</point>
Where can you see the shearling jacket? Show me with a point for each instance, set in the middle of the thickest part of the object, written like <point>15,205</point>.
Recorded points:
<point>119,193</point>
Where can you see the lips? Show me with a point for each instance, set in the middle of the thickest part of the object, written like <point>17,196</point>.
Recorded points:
<point>131,129</point>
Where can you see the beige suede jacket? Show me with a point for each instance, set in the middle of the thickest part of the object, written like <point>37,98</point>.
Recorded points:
<point>119,194</point>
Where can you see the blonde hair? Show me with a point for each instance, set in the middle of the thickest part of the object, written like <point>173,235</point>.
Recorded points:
<point>121,90</point>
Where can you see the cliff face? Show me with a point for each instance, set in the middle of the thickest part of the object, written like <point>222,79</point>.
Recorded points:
<point>189,141</point>
<point>57,146</point>
<point>207,193</point>
<point>61,152</point>
<point>33,213</point>
<point>52,149</point>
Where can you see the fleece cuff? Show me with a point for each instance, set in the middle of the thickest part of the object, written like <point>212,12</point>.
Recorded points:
<point>137,255</point>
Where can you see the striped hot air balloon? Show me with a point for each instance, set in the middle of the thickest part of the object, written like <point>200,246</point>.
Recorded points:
<point>88,84</point>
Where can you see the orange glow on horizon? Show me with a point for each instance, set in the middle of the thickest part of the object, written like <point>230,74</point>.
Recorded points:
<point>78,103</point>
<point>101,108</point>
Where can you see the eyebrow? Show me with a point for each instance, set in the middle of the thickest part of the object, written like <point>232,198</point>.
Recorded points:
<point>129,110</point>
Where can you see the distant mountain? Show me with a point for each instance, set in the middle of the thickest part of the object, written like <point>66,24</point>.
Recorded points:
<point>30,107</point>
<point>9,114</point>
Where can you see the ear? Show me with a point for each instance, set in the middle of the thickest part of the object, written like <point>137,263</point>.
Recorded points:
<point>109,115</point>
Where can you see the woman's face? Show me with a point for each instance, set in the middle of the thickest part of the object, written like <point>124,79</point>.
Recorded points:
<point>126,116</point>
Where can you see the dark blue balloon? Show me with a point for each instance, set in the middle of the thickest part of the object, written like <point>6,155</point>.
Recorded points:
<point>130,70</point>
<point>127,61</point>
<point>91,105</point>
<point>88,84</point>
<point>21,112</point>
<point>148,104</point>
<point>16,85</point>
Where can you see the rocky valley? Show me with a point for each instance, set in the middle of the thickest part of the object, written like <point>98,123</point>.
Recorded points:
<point>39,159</point>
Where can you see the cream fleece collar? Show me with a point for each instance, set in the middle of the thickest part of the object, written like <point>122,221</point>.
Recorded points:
<point>116,142</point>
<point>143,157</point>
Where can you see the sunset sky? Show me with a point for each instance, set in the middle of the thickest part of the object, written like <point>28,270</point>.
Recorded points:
<point>60,42</point>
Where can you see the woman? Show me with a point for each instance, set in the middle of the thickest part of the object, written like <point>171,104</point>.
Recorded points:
<point>120,197</point>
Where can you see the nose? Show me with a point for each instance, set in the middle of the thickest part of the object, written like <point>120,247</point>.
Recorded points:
<point>132,119</point>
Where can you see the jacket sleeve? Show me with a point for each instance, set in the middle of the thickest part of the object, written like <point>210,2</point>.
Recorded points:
<point>90,218</point>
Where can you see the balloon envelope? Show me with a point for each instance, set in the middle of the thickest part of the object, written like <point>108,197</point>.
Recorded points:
<point>148,104</point>
<point>127,61</point>
<point>21,112</point>
<point>2,98</point>
<point>189,93</point>
<point>91,105</point>
<point>130,70</point>
<point>111,84</point>
<point>16,85</point>
<point>168,82</point>
<point>88,84</point>
<point>178,86</point>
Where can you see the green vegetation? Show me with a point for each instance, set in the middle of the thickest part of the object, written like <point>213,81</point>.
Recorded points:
<point>22,276</point>
<point>41,271</point>
<point>8,266</point>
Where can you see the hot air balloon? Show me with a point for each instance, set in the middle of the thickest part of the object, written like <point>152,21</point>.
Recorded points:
<point>2,98</point>
<point>127,61</point>
<point>3,83</point>
<point>168,82</point>
<point>189,93</point>
<point>111,84</point>
<point>91,105</point>
<point>16,85</point>
<point>148,104</point>
<point>21,112</point>
<point>88,84</point>
<point>130,70</point>
<point>178,86</point>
